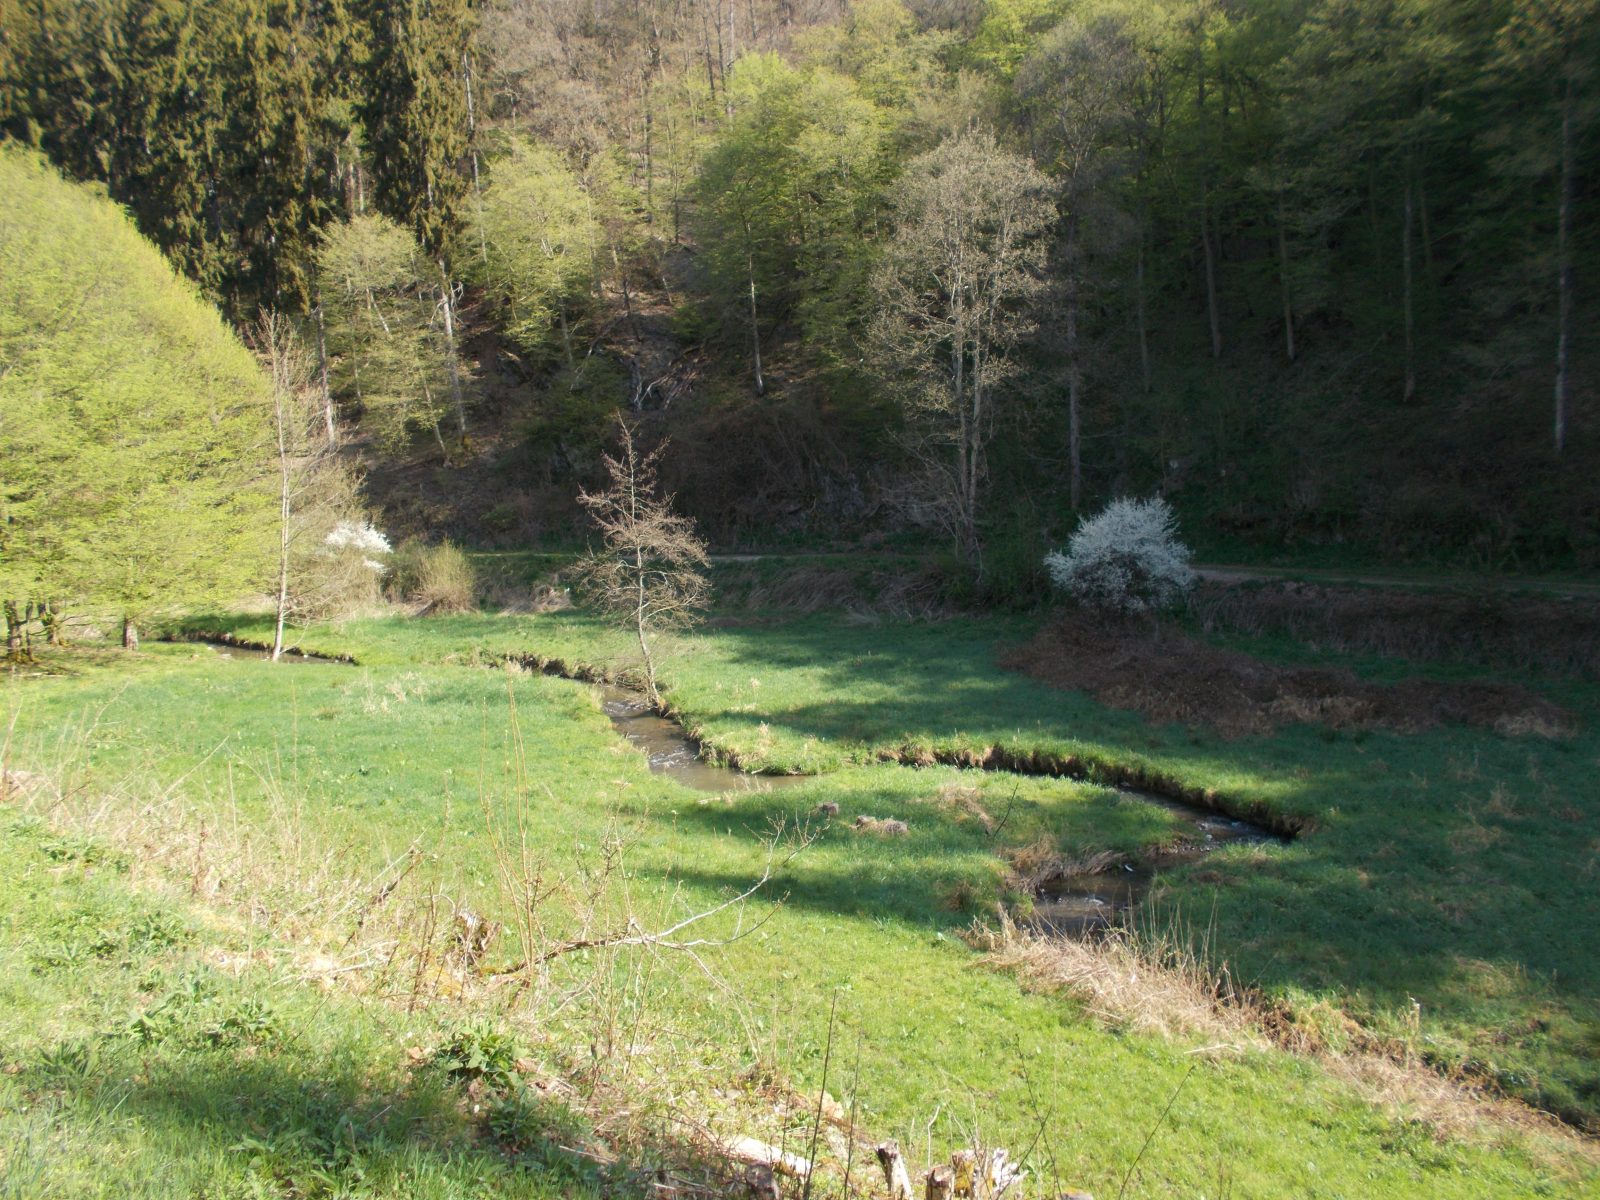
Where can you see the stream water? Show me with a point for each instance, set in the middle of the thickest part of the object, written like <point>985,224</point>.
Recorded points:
<point>1068,905</point>
<point>672,752</point>
<point>1077,904</point>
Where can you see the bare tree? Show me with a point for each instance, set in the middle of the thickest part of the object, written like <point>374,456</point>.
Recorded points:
<point>953,294</point>
<point>315,489</point>
<point>649,573</point>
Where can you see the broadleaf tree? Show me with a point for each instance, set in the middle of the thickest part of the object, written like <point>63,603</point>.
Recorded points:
<point>133,424</point>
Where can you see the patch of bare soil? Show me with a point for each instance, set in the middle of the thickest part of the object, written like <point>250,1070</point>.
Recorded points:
<point>1498,628</point>
<point>1168,676</point>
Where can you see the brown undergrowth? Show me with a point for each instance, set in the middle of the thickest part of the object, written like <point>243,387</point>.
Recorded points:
<point>1158,980</point>
<point>1166,675</point>
<point>1500,629</point>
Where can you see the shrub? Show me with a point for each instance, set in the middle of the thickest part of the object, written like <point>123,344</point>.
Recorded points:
<point>342,573</point>
<point>440,578</point>
<point>1126,559</point>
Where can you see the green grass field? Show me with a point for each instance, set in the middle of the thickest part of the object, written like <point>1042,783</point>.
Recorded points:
<point>1447,870</point>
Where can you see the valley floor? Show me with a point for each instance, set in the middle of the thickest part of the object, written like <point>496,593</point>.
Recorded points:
<point>1436,914</point>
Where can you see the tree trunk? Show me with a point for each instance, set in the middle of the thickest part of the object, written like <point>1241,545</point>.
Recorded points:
<point>447,293</point>
<point>1144,327</point>
<point>1074,381</point>
<point>639,609</point>
<point>1564,268</point>
<point>285,493</point>
<point>130,634</point>
<point>472,143</point>
<point>566,343</point>
<point>1283,277</point>
<point>1205,217</point>
<point>322,374</point>
<point>1407,302</point>
<point>13,633</point>
<point>1211,273</point>
<point>54,632</point>
<point>755,329</point>
<point>649,160</point>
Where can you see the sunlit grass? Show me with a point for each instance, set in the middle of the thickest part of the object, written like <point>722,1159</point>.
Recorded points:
<point>400,748</point>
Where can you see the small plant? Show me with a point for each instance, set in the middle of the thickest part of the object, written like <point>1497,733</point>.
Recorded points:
<point>480,1051</point>
<point>649,574</point>
<point>439,579</point>
<point>1127,559</point>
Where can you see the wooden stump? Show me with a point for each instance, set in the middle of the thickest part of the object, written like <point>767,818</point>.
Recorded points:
<point>894,1170</point>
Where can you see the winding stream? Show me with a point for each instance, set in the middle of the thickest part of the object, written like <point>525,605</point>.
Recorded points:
<point>1067,905</point>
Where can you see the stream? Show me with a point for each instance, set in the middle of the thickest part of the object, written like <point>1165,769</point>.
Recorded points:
<point>671,751</point>
<point>1076,904</point>
<point>1068,905</point>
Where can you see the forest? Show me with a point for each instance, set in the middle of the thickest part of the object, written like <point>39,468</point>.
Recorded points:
<point>677,599</point>
<point>1314,271</point>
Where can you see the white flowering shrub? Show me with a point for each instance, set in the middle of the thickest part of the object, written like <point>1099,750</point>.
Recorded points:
<point>342,570</point>
<point>362,537</point>
<point>1125,559</point>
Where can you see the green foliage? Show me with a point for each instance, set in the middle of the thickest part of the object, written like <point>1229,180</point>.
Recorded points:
<point>133,424</point>
<point>540,240</point>
<point>413,106</point>
<point>480,1052</point>
<point>388,352</point>
<point>215,123</point>
<point>787,196</point>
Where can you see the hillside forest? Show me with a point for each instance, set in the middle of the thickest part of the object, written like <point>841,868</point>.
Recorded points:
<point>1320,272</point>
<point>967,599</point>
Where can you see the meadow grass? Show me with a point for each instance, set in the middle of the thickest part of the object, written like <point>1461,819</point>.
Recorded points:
<point>1445,895</point>
<point>412,747</point>
<point>150,1050</point>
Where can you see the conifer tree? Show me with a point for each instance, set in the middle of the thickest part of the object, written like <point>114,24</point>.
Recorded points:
<point>415,112</point>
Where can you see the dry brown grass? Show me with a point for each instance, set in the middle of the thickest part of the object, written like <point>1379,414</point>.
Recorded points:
<point>1156,981</point>
<point>1042,860</point>
<point>880,826</point>
<point>1169,676</point>
<point>966,803</point>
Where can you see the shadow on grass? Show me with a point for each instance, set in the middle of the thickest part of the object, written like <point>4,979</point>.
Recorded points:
<point>298,1122</point>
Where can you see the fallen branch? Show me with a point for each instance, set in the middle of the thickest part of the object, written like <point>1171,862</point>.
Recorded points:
<point>631,935</point>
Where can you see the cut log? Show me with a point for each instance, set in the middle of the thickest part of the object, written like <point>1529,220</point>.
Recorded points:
<point>894,1170</point>
<point>761,1154</point>
<point>940,1184</point>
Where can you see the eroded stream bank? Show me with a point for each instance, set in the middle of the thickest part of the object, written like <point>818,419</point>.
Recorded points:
<point>1071,902</point>
<point>1068,903</point>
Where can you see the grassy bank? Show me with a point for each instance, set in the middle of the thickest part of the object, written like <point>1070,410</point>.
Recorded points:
<point>1448,868</point>
<point>1382,902</point>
